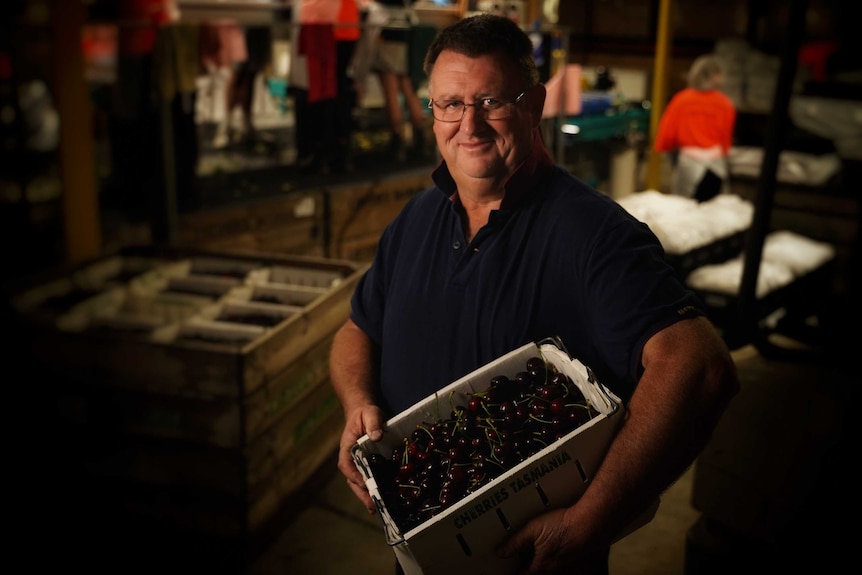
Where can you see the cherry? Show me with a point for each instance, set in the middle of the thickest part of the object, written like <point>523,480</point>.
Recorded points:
<point>558,406</point>
<point>504,387</point>
<point>575,395</point>
<point>451,494</point>
<point>550,391</point>
<point>537,369</point>
<point>539,409</point>
<point>578,415</point>
<point>431,468</point>
<point>501,451</point>
<point>406,470</point>
<point>456,454</point>
<point>456,475</point>
<point>558,378</point>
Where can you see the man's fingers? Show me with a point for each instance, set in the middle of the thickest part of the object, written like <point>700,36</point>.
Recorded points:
<point>362,494</point>
<point>373,424</point>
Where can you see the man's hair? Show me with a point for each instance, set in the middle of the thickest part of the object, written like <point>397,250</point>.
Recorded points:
<point>705,74</point>
<point>485,34</point>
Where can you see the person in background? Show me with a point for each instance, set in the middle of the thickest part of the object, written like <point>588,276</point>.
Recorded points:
<point>507,248</point>
<point>135,121</point>
<point>324,94</point>
<point>697,129</point>
<point>258,41</point>
<point>390,60</point>
<point>223,50</point>
<point>348,29</point>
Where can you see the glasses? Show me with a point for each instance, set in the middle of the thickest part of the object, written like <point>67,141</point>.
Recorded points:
<point>488,108</point>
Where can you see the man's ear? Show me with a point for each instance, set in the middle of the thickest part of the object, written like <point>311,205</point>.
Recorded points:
<point>537,103</point>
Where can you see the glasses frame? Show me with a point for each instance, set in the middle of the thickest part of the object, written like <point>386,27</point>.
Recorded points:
<point>511,103</point>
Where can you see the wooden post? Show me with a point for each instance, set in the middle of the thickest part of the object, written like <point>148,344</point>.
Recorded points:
<point>76,153</point>
<point>779,121</point>
<point>659,91</point>
<point>533,12</point>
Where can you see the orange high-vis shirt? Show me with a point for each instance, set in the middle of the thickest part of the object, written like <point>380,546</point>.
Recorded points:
<point>347,24</point>
<point>342,14</point>
<point>139,20</point>
<point>696,119</point>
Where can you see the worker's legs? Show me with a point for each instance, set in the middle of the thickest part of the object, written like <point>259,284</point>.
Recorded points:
<point>243,99</point>
<point>417,114</point>
<point>222,134</point>
<point>394,113</point>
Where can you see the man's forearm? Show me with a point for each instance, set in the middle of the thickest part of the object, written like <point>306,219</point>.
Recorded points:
<point>669,419</point>
<point>351,367</point>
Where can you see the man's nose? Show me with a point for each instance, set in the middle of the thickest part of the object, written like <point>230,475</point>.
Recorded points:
<point>472,116</point>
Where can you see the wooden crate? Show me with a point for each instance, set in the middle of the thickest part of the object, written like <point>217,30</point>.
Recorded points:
<point>359,249</point>
<point>216,492</point>
<point>221,422</point>
<point>213,437</point>
<point>359,213</point>
<point>163,361</point>
<point>289,224</point>
<point>342,221</point>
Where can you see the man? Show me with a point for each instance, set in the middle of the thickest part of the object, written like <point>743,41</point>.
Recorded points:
<point>506,249</point>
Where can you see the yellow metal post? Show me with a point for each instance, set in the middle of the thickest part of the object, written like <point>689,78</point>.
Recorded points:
<point>659,90</point>
<point>533,12</point>
<point>77,168</point>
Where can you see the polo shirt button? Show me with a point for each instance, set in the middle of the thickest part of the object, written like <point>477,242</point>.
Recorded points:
<point>457,245</point>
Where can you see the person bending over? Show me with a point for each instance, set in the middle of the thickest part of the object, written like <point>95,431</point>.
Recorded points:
<point>697,129</point>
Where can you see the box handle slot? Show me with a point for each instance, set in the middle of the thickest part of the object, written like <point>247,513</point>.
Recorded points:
<point>581,470</point>
<point>542,495</point>
<point>463,543</point>
<point>502,517</point>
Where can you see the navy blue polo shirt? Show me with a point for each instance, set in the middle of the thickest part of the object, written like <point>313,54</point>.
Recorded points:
<point>557,259</point>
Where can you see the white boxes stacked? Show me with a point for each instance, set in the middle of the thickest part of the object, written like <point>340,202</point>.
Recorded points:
<point>693,233</point>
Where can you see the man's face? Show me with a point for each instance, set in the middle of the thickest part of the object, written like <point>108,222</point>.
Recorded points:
<point>476,147</point>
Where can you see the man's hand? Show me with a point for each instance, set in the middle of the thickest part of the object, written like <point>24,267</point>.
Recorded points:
<point>546,545</point>
<point>368,419</point>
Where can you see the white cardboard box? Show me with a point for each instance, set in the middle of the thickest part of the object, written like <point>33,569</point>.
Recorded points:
<point>462,538</point>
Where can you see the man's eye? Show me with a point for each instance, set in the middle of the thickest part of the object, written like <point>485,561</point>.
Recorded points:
<point>491,103</point>
<point>453,105</point>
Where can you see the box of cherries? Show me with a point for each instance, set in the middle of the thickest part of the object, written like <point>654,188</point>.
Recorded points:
<point>459,471</point>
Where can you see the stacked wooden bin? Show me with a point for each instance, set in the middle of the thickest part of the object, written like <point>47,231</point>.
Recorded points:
<point>333,220</point>
<point>194,383</point>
